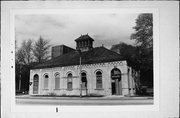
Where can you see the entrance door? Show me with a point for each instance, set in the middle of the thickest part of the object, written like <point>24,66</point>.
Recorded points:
<point>116,82</point>
<point>35,84</point>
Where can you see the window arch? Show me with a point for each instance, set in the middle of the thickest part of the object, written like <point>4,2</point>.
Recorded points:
<point>57,80</point>
<point>97,71</point>
<point>98,79</point>
<point>46,80</point>
<point>69,81</point>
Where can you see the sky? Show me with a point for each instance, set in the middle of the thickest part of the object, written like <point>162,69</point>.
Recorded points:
<point>106,29</point>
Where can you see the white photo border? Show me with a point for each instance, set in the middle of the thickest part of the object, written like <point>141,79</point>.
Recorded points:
<point>166,68</point>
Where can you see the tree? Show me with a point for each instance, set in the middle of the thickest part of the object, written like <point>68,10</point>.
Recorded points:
<point>24,54</point>
<point>128,52</point>
<point>144,41</point>
<point>144,31</point>
<point>23,60</point>
<point>41,50</point>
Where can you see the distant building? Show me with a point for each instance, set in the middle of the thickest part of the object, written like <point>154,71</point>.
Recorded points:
<point>86,70</point>
<point>60,50</point>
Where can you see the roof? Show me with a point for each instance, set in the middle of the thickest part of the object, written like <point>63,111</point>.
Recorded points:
<point>84,37</point>
<point>96,55</point>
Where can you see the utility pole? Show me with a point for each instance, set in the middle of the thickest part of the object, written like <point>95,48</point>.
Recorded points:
<point>80,74</point>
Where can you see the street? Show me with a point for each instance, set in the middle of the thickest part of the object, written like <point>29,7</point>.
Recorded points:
<point>84,101</point>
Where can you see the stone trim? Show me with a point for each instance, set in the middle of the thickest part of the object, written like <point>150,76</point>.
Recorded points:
<point>45,89</point>
<point>57,89</point>
<point>116,63</point>
<point>67,89</point>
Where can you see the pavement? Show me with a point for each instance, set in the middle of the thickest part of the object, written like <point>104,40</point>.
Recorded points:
<point>76,100</point>
<point>108,100</point>
<point>114,97</point>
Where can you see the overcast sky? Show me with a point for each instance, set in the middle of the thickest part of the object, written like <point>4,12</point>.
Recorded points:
<point>106,29</point>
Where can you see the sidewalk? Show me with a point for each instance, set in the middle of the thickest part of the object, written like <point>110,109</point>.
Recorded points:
<point>113,97</point>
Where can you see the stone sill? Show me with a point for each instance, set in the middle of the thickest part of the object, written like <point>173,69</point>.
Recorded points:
<point>99,89</point>
<point>45,89</point>
<point>69,89</point>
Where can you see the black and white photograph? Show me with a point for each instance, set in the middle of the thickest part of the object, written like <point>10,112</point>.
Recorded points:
<point>84,59</point>
<point>89,58</point>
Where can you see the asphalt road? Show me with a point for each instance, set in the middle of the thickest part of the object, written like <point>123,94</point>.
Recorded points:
<point>79,101</point>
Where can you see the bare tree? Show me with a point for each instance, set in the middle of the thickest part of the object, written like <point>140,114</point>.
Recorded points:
<point>41,50</point>
<point>24,58</point>
<point>24,54</point>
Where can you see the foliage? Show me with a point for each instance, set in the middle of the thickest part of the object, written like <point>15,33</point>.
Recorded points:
<point>136,57</point>
<point>94,95</point>
<point>140,56</point>
<point>51,94</point>
<point>144,40</point>
<point>144,31</point>
<point>128,52</point>
<point>24,54</point>
<point>41,50</point>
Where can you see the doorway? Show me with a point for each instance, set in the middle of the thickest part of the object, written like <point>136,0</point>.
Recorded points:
<point>113,88</point>
<point>116,85</point>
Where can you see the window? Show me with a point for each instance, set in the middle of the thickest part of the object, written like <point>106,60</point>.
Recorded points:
<point>98,80</point>
<point>69,81</point>
<point>35,84</point>
<point>57,81</point>
<point>46,77</point>
<point>84,80</point>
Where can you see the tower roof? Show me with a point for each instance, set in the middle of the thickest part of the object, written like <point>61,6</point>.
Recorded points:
<point>84,37</point>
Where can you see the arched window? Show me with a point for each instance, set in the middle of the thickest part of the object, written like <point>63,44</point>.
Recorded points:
<point>46,79</point>
<point>98,79</point>
<point>69,81</point>
<point>84,80</point>
<point>35,84</point>
<point>57,81</point>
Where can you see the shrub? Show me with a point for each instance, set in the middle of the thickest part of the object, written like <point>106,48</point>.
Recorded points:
<point>51,94</point>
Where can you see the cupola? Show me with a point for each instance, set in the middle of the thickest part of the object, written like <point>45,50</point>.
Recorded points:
<point>84,43</point>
